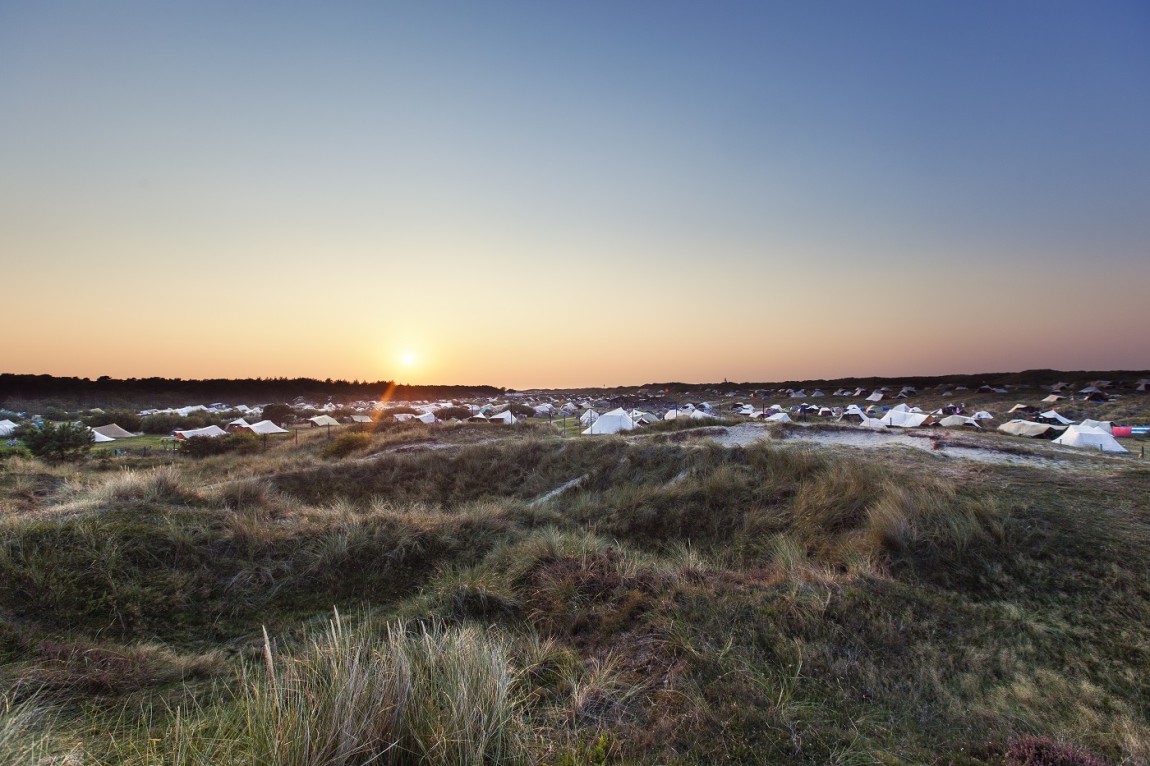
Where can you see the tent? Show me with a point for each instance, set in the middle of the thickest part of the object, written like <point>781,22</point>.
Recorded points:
<point>1028,428</point>
<point>505,418</point>
<point>1103,425</point>
<point>873,423</point>
<point>209,432</point>
<point>113,431</point>
<point>427,417</point>
<point>700,414</point>
<point>955,421</point>
<point>99,438</point>
<point>904,419</point>
<point>361,418</point>
<point>7,427</point>
<point>875,397</point>
<point>1089,438</point>
<point>237,424</point>
<point>588,417</point>
<point>267,427</point>
<point>780,417</point>
<point>1055,416</point>
<point>1023,408</point>
<point>1053,398</point>
<point>611,423</point>
<point>478,417</point>
<point>323,420</point>
<point>983,415</point>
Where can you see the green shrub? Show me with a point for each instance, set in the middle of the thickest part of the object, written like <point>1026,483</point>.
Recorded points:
<point>239,443</point>
<point>280,414</point>
<point>459,413</point>
<point>56,441</point>
<point>166,422</point>
<point>126,419</point>
<point>347,444</point>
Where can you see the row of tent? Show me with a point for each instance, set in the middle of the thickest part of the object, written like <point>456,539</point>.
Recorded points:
<point>1089,434</point>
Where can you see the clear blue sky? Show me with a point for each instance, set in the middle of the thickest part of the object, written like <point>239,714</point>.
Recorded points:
<point>691,190</point>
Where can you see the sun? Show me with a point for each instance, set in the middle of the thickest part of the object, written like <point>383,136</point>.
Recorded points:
<point>407,358</point>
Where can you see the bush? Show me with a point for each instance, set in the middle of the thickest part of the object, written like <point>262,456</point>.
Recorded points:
<point>56,441</point>
<point>1042,751</point>
<point>347,444</point>
<point>459,413</point>
<point>125,419</point>
<point>280,414</point>
<point>165,423</point>
<point>203,446</point>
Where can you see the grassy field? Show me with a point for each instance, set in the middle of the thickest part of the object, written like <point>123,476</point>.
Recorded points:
<point>473,594</point>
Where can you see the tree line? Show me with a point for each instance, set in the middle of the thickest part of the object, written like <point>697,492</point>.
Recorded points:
<point>24,392</point>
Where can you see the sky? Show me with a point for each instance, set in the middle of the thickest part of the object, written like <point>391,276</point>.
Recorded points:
<point>598,193</point>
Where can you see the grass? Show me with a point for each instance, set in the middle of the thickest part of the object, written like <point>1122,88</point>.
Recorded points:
<point>680,603</point>
<point>136,444</point>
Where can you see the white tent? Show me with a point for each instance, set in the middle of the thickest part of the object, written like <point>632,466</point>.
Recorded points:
<point>611,423</point>
<point>699,415</point>
<point>238,423</point>
<point>1054,415</point>
<point>983,415</point>
<point>1053,398</point>
<point>7,427</point>
<point>779,417</point>
<point>100,438</point>
<point>1102,425</point>
<point>954,421</point>
<point>1027,428</point>
<point>323,420</point>
<point>875,397</point>
<point>588,417</point>
<point>873,423</point>
<point>427,417</point>
<point>266,427</point>
<point>505,417</point>
<point>906,419</point>
<point>113,431</point>
<point>900,408</point>
<point>361,418</point>
<point>1089,438</point>
<point>478,417</point>
<point>209,432</point>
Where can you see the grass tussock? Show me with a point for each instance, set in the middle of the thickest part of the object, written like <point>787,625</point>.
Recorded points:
<point>23,739</point>
<point>408,695</point>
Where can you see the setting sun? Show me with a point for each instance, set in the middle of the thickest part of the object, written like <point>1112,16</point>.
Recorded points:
<point>407,358</point>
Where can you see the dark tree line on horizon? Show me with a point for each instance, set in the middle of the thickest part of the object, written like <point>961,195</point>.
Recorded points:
<point>19,391</point>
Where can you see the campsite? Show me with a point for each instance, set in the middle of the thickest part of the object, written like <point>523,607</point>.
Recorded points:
<point>504,383</point>
<point>879,588</point>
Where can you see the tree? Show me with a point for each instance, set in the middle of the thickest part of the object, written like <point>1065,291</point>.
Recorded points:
<point>56,441</point>
<point>280,414</point>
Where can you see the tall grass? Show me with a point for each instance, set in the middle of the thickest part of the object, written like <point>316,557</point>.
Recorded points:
<point>411,694</point>
<point>23,741</point>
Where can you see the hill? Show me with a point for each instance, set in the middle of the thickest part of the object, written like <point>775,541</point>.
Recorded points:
<point>468,594</point>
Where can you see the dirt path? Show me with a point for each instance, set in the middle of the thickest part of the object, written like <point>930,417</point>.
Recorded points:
<point>950,444</point>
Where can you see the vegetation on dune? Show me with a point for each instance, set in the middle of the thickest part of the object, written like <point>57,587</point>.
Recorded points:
<point>56,441</point>
<point>539,599</point>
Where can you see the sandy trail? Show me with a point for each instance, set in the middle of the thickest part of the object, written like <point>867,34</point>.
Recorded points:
<point>750,433</point>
